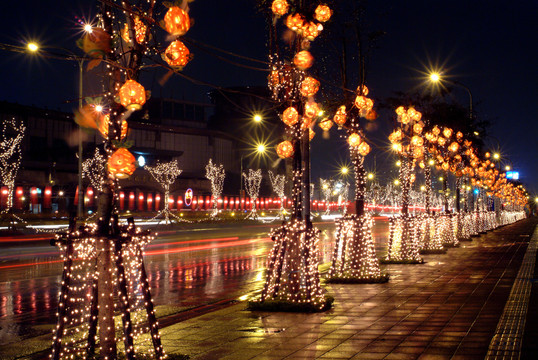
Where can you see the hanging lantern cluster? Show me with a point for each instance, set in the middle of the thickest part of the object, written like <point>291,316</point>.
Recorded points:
<point>132,95</point>
<point>284,149</point>
<point>121,164</point>
<point>177,22</point>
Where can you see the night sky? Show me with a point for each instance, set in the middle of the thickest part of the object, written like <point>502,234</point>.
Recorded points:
<point>490,46</point>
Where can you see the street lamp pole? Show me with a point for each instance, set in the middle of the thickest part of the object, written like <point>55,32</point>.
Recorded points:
<point>80,208</point>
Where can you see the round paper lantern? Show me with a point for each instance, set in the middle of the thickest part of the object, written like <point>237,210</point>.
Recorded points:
<point>323,13</point>
<point>417,140</point>
<point>454,147</point>
<point>395,136</point>
<point>362,102</point>
<point>311,109</point>
<point>295,22</point>
<point>311,30</point>
<point>362,90</point>
<point>326,124</point>
<point>309,86</point>
<point>177,21</point>
<point>441,141</point>
<point>177,54</point>
<point>436,130</point>
<point>414,114</point>
<point>340,116</point>
<point>290,116</point>
<point>132,95</point>
<point>284,149</point>
<point>447,132</point>
<point>354,140</point>
<point>371,115</point>
<point>280,7</point>
<point>303,60</point>
<point>121,164</point>
<point>364,148</point>
<point>417,128</point>
<point>140,31</point>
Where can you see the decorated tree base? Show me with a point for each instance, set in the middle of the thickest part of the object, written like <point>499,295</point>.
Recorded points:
<point>446,226</point>
<point>428,236</point>
<point>292,272</point>
<point>354,257</point>
<point>278,305</point>
<point>403,244</point>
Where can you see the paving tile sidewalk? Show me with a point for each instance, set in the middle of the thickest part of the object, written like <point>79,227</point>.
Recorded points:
<point>447,308</point>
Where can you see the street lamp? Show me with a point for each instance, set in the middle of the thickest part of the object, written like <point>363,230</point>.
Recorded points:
<point>344,170</point>
<point>436,78</point>
<point>370,176</point>
<point>257,118</point>
<point>496,156</point>
<point>33,47</point>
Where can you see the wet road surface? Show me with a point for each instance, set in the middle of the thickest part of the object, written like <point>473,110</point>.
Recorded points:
<point>185,268</point>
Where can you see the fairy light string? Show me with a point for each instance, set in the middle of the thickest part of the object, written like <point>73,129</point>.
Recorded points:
<point>216,174</point>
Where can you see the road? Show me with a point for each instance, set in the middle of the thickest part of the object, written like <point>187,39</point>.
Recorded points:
<point>188,267</point>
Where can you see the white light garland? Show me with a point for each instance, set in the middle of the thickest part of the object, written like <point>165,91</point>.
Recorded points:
<point>94,169</point>
<point>278,182</point>
<point>253,179</point>
<point>215,173</point>
<point>10,156</point>
<point>165,174</point>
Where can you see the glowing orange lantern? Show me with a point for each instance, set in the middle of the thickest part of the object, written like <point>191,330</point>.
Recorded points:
<point>177,21</point>
<point>445,166</point>
<point>121,164</point>
<point>290,116</point>
<point>417,128</point>
<point>447,132</point>
<point>364,148</point>
<point>354,140</point>
<point>132,95</point>
<point>177,54</point>
<point>295,22</point>
<point>311,109</point>
<point>414,114</point>
<point>362,102</point>
<point>303,60</point>
<point>340,116</point>
<point>459,135</point>
<point>284,149</point>
<point>400,110</point>
<point>323,13</point>
<point>140,31</point>
<point>362,90</point>
<point>309,86</point>
<point>311,134</point>
<point>417,140</point>
<point>453,147</point>
<point>441,141</point>
<point>371,115</point>
<point>326,124</point>
<point>395,136</point>
<point>311,30</point>
<point>280,7</point>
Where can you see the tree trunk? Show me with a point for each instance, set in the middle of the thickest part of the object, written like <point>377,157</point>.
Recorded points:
<point>360,183</point>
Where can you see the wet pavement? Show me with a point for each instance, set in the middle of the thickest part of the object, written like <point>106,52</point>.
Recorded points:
<point>186,268</point>
<point>448,308</point>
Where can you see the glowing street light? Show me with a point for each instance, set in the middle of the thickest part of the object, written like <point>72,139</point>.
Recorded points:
<point>344,170</point>
<point>370,176</point>
<point>33,47</point>
<point>88,28</point>
<point>257,118</point>
<point>396,182</point>
<point>496,156</point>
<point>507,168</point>
<point>435,77</point>
<point>260,148</point>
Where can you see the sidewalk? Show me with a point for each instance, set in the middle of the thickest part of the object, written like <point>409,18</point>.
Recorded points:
<point>448,308</point>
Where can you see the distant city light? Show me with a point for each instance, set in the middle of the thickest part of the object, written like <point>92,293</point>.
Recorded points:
<point>514,175</point>
<point>141,161</point>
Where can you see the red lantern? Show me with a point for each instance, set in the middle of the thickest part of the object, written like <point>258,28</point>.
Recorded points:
<point>140,31</point>
<point>326,124</point>
<point>309,86</point>
<point>121,164</point>
<point>132,95</point>
<point>323,13</point>
<point>177,54</point>
<point>177,21</point>
<point>303,60</point>
<point>284,149</point>
<point>280,7</point>
<point>340,116</point>
<point>290,116</point>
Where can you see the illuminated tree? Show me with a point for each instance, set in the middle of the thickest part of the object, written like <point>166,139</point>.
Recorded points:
<point>278,182</point>
<point>292,275</point>
<point>117,47</point>
<point>253,179</point>
<point>165,174</point>
<point>326,190</point>
<point>10,158</point>
<point>215,173</point>
<point>94,169</point>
